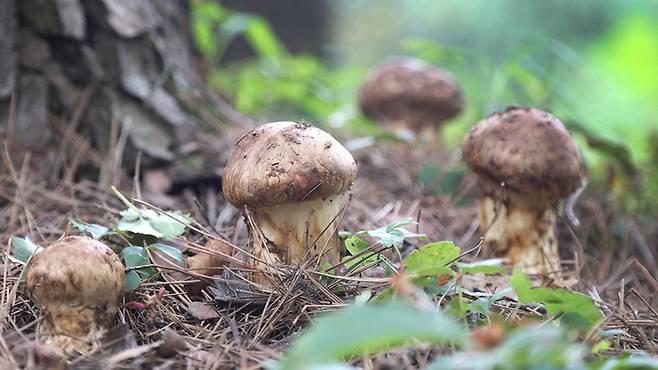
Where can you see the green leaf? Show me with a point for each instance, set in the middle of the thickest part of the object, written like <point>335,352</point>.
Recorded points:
<point>529,348</point>
<point>132,281</point>
<point>393,234</point>
<point>149,222</point>
<point>168,250</point>
<point>365,329</point>
<point>96,231</point>
<point>354,246</point>
<point>134,256</point>
<point>458,306</point>
<point>170,224</point>
<point>480,305</point>
<point>556,301</point>
<point>432,259</point>
<point>488,267</point>
<point>363,298</point>
<point>22,249</point>
<point>601,346</point>
<point>139,226</point>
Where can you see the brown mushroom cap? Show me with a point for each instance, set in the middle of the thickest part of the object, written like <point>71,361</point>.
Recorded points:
<point>406,89</point>
<point>529,150</point>
<point>77,272</point>
<point>286,162</point>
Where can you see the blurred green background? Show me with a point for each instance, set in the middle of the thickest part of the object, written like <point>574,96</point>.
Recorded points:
<point>592,63</point>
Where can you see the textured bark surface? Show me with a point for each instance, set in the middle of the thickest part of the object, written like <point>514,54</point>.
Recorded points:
<point>73,65</point>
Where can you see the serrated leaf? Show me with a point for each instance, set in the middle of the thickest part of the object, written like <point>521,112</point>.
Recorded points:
<point>432,259</point>
<point>22,249</point>
<point>488,267</point>
<point>96,231</point>
<point>556,301</point>
<point>169,251</point>
<point>365,329</point>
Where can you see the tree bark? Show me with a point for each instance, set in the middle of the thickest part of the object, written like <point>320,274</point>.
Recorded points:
<point>91,64</point>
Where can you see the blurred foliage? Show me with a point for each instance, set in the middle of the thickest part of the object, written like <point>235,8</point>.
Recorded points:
<point>594,67</point>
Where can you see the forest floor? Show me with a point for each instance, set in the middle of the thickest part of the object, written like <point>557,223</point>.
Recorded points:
<point>232,324</point>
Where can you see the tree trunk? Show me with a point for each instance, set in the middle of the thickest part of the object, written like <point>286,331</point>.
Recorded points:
<point>116,74</point>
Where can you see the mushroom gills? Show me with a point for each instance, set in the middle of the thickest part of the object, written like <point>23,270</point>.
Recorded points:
<point>290,228</point>
<point>524,236</point>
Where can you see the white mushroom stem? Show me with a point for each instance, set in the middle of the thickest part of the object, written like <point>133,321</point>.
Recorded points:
<point>297,230</point>
<point>521,229</point>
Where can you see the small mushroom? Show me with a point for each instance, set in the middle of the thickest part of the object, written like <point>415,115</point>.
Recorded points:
<point>409,94</point>
<point>526,161</point>
<point>76,282</point>
<point>295,180</point>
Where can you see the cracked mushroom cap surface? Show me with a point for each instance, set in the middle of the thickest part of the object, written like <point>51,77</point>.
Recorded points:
<point>407,89</point>
<point>77,272</point>
<point>528,149</point>
<point>286,162</point>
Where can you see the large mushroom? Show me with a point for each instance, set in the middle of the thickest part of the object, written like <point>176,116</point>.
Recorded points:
<point>77,283</point>
<point>408,94</point>
<point>526,162</point>
<point>295,180</point>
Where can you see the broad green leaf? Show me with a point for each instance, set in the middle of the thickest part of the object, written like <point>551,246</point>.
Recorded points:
<point>139,226</point>
<point>556,301</point>
<point>599,347</point>
<point>129,214</point>
<point>528,348</point>
<point>366,329</point>
<point>96,231</point>
<point>168,250</point>
<point>363,298</point>
<point>432,259</point>
<point>134,256</point>
<point>354,246</point>
<point>169,224</point>
<point>488,267</point>
<point>22,249</point>
<point>132,281</point>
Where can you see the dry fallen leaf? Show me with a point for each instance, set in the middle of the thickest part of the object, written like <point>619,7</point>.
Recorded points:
<point>202,311</point>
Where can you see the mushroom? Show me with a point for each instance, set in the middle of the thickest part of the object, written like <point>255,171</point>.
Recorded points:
<point>409,94</point>
<point>76,282</point>
<point>294,179</point>
<point>526,161</point>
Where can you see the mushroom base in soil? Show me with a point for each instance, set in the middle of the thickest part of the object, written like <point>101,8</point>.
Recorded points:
<point>533,155</point>
<point>519,229</point>
<point>294,179</point>
<point>297,231</point>
<point>76,282</point>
